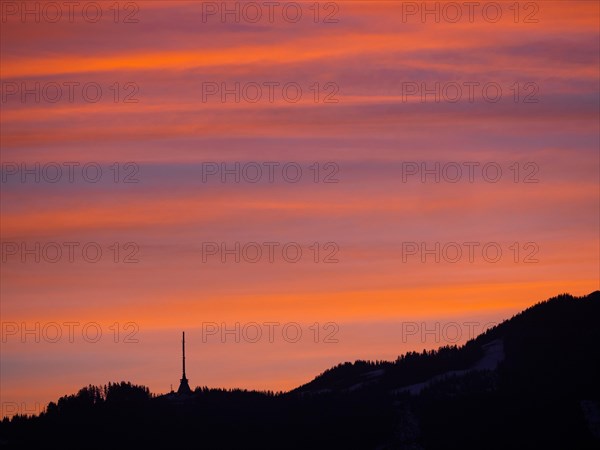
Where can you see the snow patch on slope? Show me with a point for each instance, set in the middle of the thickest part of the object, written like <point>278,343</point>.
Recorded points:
<point>493,355</point>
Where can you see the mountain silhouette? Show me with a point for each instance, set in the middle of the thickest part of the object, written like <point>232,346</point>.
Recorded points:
<point>531,382</point>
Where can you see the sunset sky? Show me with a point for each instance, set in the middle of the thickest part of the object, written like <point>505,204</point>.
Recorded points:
<point>368,130</point>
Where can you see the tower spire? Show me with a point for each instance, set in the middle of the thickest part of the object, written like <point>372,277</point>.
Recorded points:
<point>183,352</point>
<point>184,387</point>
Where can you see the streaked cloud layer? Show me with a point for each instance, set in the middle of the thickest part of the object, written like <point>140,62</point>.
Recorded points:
<point>367,120</point>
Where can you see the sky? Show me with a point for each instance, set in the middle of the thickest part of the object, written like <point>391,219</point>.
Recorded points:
<point>294,185</point>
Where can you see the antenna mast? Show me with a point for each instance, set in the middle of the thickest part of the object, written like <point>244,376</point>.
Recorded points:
<point>183,351</point>
<point>184,387</point>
